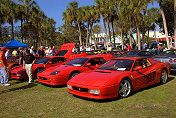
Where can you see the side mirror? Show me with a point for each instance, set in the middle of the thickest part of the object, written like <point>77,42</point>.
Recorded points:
<point>50,62</point>
<point>88,64</point>
<point>138,68</point>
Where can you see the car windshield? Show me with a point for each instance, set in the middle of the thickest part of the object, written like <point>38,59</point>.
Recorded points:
<point>42,61</point>
<point>118,65</point>
<point>61,53</point>
<point>77,62</point>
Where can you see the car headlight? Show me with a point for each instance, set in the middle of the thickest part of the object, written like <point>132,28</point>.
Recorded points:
<point>94,91</point>
<point>54,73</point>
<point>69,86</point>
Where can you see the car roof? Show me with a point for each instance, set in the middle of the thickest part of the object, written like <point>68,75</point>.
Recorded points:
<point>93,56</point>
<point>130,58</point>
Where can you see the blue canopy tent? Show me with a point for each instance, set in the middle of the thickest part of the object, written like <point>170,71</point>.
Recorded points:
<point>14,44</point>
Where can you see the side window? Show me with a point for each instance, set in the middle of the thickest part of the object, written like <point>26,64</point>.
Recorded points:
<point>147,62</point>
<point>102,61</point>
<point>94,61</point>
<point>139,62</point>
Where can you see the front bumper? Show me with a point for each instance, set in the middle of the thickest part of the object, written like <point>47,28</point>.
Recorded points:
<point>105,92</point>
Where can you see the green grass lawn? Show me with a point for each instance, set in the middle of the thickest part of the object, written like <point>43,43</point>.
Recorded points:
<point>37,100</point>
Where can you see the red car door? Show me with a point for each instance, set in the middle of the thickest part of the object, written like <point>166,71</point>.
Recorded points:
<point>143,77</point>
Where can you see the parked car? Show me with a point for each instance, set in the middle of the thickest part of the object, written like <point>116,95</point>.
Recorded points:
<point>12,62</point>
<point>62,56</point>
<point>119,77</point>
<point>61,74</point>
<point>168,56</point>
<point>139,53</point>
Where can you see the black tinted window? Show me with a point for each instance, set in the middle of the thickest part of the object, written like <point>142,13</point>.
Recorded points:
<point>61,53</point>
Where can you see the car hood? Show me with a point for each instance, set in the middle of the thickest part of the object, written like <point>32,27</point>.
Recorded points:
<point>97,78</point>
<point>60,68</point>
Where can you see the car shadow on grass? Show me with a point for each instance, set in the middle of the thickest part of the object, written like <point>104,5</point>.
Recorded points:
<point>98,100</point>
<point>152,86</point>
<point>19,88</point>
<point>118,98</point>
<point>53,86</point>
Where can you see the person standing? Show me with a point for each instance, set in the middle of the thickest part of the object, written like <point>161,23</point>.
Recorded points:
<point>32,50</point>
<point>128,47</point>
<point>3,67</point>
<point>27,64</point>
<point>41,52</point>
<point>20,56</point>
<point>7,54</point>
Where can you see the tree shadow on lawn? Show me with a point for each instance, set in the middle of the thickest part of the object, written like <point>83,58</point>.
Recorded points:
<point>19,88</point>
<point>117,98</point>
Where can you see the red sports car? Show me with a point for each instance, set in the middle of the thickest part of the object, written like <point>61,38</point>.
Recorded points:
<point>59,75</point>
<point>62,56</point>
<point>119,77</point>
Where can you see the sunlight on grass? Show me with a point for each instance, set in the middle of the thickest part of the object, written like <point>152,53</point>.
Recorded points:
<point>37,100</point>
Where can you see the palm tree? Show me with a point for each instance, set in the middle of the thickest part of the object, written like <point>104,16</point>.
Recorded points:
<point>11,11</point>
<point>2,16</point>
<point>101,8</point>
<point>21,16</point>
<point>73,15</point>
<point>86,17</point>
<point>175,22</point>
<point>154,14</point>
<point>28,5</point>
<point>97,30</point>
<point>164,22</point>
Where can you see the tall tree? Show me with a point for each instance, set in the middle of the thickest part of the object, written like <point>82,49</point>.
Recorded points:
<point>175,22</point>
<point>11,11</point>
<point>164,22</point>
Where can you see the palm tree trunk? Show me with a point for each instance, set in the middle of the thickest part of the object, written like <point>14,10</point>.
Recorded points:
<point>79,30</point>
<point>0,33</point>
<point>87,38</point>
<point>165,25</point>
<point>104,22</point>
<point>130,33</point>
<point>22,30</point>
<point>138,34</point>
<point>155,33</point>
<point>121,34</point>
<point>175,22</point>
<point>109,29</point>
<point>91,26</point>
<point>12,32</point>
<point>113,32</point>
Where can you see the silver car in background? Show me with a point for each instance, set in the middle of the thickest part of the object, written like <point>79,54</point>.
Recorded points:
<point>168,56</point>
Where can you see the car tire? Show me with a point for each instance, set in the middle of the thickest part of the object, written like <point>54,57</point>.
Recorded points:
<point>39,70</point>
<point>73,74</point>
<point>124,88</point>
<point>164,76</point>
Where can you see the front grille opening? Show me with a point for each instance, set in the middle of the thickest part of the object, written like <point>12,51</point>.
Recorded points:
<point>80,89</point>
<point>43,78</point>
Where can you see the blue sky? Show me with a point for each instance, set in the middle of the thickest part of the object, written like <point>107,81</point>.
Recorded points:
<point>55,8</point>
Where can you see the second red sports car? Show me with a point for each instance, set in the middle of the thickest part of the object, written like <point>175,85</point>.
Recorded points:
<point>119,77</point>
<point>59,75</point>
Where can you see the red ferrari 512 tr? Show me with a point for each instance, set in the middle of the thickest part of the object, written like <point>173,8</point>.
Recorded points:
<point>119,77</point>
<point>59,75</point>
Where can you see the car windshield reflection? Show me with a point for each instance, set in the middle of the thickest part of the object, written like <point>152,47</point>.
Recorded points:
<point>118,65</point>
<point>77,62</point>
<point>42,61</point>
